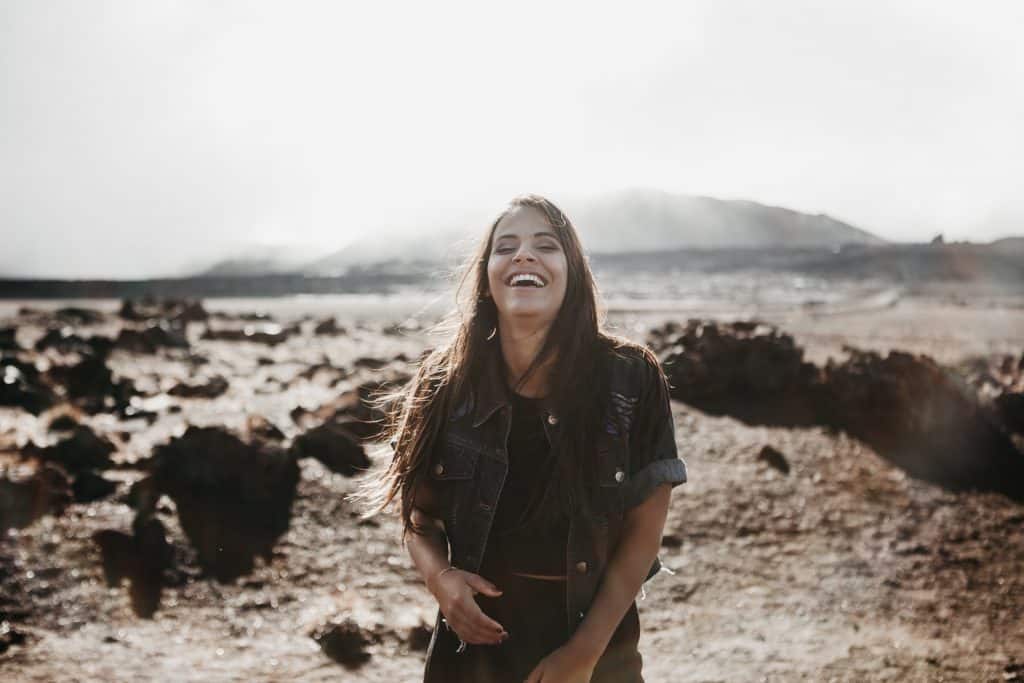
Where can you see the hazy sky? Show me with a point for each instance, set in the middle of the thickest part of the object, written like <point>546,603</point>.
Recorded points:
<point>142,137</point>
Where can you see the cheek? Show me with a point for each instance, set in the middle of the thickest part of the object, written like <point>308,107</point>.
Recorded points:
<point>493,281</point>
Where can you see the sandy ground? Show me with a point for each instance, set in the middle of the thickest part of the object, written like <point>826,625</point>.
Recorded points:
<point>843,570</point>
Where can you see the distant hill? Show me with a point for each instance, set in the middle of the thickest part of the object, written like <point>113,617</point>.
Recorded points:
<point>627,221</point>
<point>650,220</point>
<point>1013,246</point>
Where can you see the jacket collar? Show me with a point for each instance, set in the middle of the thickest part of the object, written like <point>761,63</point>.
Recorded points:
<point>491,390</point>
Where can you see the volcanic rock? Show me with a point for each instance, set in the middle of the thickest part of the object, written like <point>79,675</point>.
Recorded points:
<point>261,429</point>
<point>918,415</point>
<point>329,326</point>
<point>64,340</point>
<point>179,311</point>
<point>271,334</point>
<point>141,558</point>
<point>774,459</point>
<point>152,338</point>
<point>8,339</point>
<point>82,450</point>
<point>90,385</point>
<point>334,446</point>
<point>1011,411</point>
<point>233,499</point>
<point>343,641</point>
<point>748,370</point>
<point>47,491</point>
<point>73,315</point>
<point>89,487</point>
<point>22,386</point>
<point>9,636</point>
<point>212,388</point>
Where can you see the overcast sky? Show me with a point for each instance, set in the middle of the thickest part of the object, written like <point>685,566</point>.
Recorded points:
<point>139,138</point>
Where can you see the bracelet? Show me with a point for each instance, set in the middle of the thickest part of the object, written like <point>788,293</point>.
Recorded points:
<point>446,569</point>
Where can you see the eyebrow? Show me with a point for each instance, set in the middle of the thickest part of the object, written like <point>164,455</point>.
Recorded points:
<point>536,234</point>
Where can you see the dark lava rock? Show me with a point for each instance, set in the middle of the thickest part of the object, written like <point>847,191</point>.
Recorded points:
<point>90,385</point>
<point>47,491</point>
<point>8,339</point>
<point>418,637</point>
<point>141,558</point>
<point>334,446</point>
<point>919,416</point>
<point>9,636</point>
<point>1011,411</point>
<point>360,411</point>
<point>370,363</point>
<point>82,450</point>
<point>214,387</point>
<point>748,370</point>
<point>329,326</point>
<point>335,373</point>
<point>233,499</point>
<point>63,423</point>
<point>73,315</point>
<point>22,386</point>
<point>271,334</point>
<point>671,541</point>
<point>261,429</point>
<point>152,338</point>
<point>181,311</point>
<point>774,459</point>
<point>344,642</point>
<point>89,487</point>
<point>64,340</point>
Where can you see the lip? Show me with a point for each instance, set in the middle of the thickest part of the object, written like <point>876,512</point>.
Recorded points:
<point>508,280</point>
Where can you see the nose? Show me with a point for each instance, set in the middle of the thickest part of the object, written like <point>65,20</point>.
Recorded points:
<point>523,254</point>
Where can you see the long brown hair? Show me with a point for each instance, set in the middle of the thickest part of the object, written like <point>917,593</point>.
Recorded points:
<point>451,369</point>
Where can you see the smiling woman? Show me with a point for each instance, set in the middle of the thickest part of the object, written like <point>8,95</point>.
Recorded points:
<point>533,459</point>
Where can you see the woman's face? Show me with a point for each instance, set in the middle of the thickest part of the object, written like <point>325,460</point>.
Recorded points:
<point>526,269</point>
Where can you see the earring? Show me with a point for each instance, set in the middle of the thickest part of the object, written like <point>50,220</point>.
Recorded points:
<point>492,334</point>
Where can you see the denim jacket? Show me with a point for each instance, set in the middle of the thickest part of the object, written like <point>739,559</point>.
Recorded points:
<point>469,463</point>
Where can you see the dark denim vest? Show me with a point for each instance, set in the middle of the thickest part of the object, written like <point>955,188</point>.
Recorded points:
<point>471,460</point>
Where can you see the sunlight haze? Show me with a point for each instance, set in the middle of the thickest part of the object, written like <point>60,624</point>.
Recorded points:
<point>146,139</point>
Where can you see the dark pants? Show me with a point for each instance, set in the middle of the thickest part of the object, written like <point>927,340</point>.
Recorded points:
<point>533,613</point>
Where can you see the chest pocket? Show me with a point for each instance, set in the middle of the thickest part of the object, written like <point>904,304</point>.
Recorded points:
<point>453,472</point>
<point>456,461</point>
<point>612,462</point>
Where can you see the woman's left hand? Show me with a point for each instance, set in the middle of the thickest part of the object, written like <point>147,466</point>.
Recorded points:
<point>564,665</point>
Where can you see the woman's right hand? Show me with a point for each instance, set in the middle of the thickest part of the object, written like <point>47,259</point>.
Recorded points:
<point>454,590</point>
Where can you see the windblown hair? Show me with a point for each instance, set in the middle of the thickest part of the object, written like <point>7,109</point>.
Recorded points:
<point>446,373</point>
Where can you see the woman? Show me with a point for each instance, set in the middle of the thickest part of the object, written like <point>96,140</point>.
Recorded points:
<point>534,458</point>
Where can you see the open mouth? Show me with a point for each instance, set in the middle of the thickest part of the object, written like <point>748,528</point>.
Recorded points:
<point>525,280</point>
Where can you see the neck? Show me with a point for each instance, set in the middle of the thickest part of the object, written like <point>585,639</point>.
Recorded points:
<point>521,341</point>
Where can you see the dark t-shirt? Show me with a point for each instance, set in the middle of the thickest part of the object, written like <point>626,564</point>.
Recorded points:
<point>519,541</point>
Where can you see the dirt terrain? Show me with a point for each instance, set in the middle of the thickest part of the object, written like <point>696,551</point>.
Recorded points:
<point>816,559</point>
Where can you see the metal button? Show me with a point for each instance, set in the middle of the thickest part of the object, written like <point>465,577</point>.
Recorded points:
<point>485,507</point>
<point>581,567</point>
<point>439,468</point>
<point>552,420</point>
<point>619,476</point>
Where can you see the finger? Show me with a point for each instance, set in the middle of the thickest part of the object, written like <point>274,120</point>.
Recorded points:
<point>473,631</point>
<point>477,616</point>
<point>482,634</point>
<point>482,585</point>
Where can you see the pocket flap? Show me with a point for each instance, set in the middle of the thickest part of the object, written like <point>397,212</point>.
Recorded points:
<point>456,461</point>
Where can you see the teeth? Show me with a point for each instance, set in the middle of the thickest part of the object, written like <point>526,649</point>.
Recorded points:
<point>525,277</point>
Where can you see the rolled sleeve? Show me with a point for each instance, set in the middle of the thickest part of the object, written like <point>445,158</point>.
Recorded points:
<point>654,456</point>
<point>653,475</point>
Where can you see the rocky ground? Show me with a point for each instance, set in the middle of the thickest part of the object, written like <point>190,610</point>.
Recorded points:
<point>796,552</point>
